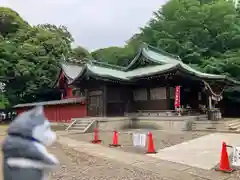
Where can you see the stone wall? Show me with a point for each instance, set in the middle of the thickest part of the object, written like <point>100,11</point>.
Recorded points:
<point>125,123</point>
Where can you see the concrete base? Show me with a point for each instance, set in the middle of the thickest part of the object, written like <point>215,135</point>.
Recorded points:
<point>203,152</point>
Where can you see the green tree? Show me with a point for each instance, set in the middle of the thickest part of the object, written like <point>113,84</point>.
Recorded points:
<point>3,101</point>
<point>62,32</point>
<point>114,55</point>
<point>32,57</point>
<point>80,53</point>
<point>10,21</point>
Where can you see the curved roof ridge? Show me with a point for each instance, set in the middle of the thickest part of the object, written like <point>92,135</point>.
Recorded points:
<point>134,59</point>
<point>159,50</point>
<point>105,64</point>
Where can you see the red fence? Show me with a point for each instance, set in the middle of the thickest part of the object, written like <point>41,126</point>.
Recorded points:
<point>61,112</point>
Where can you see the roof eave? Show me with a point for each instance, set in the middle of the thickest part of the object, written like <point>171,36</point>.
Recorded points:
<point>93,75</point>
<point>215,77</point>
<point>153,74</point>
<point>232,82</point>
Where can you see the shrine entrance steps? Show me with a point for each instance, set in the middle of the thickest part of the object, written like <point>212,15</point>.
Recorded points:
<point>233,125</point>
<point>81,125</point>
<point>224,125</point>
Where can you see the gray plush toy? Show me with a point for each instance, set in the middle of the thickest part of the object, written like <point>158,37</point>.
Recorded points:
<point>25,156</point>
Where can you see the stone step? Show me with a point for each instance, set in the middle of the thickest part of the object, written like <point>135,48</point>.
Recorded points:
<point>74,131</point>
<point>232,127</point>
<point>218,130</point>
<point>82,119</point>
<point>209,122</point>
<point>80,125</point>
<point>233,123</point>
<point>77,128</point>
<point>218,126</point>
<point>210,125</point>
<point>235,127</point>
<point>86,121</point>
<point>211,128</point>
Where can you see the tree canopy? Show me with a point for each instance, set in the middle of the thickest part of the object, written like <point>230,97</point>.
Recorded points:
<point>10,21</point>
<point>30,55</point>
<point>81,53</point>
<point>203,33</point>
<point>114,55</point>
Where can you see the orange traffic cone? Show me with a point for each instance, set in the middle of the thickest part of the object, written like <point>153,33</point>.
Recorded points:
<point>151,148</point>
<point>96,139</point>
<point>115,140</point>
<point>224,161</point>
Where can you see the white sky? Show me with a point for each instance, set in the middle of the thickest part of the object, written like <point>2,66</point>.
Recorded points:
<point>93,23</point>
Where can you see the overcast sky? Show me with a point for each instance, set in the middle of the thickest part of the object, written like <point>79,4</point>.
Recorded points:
<point>93,23</point>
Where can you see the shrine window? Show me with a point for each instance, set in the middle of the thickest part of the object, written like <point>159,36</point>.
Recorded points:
<point>158,93</point>
<point>140,94</point>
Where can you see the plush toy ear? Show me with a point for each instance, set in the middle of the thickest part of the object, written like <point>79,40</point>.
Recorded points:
<point>38,111</point>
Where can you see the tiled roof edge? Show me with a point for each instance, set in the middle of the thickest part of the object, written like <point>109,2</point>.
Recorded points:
<point>55,102</point>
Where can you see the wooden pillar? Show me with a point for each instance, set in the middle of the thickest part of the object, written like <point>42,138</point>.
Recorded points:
<point>168,99</point>
<point>209,102</point>
<point>87,100</point>
<point>69,92</point>
<point>104,101</point>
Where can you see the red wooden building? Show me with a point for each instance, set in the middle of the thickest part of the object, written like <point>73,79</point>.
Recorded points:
<point>60,110</point>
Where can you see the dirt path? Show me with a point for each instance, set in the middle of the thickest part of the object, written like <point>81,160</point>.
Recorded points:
<point>80,166</point>
<point>162,139</point>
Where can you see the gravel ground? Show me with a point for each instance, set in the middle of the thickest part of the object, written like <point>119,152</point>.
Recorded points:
<point>75,165</point>
<point>162,139</point>
<point>80,166</point>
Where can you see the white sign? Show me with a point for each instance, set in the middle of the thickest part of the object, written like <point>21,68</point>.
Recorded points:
<point>236,156</point>
<point>139,139</point>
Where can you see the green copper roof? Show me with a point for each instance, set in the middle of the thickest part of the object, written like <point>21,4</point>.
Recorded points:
<point>165,63</point>
<point>200,74</point>
<point>106,72</point>
<point>153,55</point>
<point>150,70</point>
<point>158,57</point>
